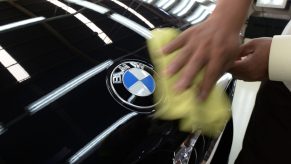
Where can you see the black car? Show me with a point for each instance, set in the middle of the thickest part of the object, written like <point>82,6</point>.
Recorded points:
<point>64,98</point>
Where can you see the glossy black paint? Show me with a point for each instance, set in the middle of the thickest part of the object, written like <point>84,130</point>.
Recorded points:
<point>57,50</point>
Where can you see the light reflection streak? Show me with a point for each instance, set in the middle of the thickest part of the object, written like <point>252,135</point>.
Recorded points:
<point>90,5</point>
<point>84,20</point>
<point>134,13</point>
<point>16,70</point>
<point>91,146</point>
<point>20,23</point>
<point>2,129</point>
<point>132,25</point>
<point>116,17</point>
<point>6,59</point>
<point>67,87</point>
<point>150,1</point>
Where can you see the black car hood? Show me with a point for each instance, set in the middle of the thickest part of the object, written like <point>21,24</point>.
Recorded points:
<point>47,114</point>
<point>62,97</point>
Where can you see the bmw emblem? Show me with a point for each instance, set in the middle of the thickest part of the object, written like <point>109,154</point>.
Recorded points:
<point>132,84</point>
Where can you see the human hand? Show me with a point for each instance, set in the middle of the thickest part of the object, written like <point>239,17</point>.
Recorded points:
<point>253,62</point>
<point>211,46</point>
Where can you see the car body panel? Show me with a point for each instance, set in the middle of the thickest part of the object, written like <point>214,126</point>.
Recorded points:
<point>62,110</point>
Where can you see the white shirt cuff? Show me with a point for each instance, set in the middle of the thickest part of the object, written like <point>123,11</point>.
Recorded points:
<point>280,58</point>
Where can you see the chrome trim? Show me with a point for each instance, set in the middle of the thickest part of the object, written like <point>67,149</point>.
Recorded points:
<point>67,87</point>
<point>92,145</point>
<point>180,7</point>
<point>183,155</point>
<point>186,9</point>
<point>168,4</point>
<point>161,3</point>
<point>224,80</point>
<point>201,18</point>
<point>196,14</point>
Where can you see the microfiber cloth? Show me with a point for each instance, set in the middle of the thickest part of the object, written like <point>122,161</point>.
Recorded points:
<point>209,116</point>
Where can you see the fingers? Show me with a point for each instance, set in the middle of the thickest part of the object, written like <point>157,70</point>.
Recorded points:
<point>192,67</point>
<point>211,75</point>
<point>241,69</point>
<point>246,49</point>
<point>240,66</point>
<point>179,61</point>
<point>254,67</point>
<point>177,43</point>
<point>237,69</point>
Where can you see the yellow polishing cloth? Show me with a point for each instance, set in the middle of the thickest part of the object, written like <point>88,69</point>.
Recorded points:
<point>209,116</point>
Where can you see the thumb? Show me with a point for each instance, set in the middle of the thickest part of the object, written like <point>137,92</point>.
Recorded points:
<point>239,67</point>
<point>246,49</point>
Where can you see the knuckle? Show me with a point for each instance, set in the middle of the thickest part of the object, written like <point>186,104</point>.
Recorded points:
<point>199,58</point>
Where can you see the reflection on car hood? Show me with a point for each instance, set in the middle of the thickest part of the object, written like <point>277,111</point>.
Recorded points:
<point>54,61</point>
<point>57,59</point>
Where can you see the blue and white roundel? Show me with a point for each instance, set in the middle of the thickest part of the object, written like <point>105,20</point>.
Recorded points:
<point>139,82</point>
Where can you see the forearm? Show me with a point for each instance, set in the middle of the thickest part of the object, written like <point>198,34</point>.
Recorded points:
<point>231,13</point>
